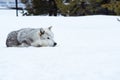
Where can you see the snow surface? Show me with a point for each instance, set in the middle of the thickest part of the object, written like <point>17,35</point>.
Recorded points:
<point>88,49</point>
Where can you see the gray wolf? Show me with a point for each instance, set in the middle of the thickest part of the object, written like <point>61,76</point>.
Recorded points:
<point>37,37</point>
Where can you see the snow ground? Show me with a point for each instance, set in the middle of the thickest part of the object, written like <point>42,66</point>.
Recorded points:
<point>88,49</point>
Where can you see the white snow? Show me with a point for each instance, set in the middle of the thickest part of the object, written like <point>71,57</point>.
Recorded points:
<point>88,49</point>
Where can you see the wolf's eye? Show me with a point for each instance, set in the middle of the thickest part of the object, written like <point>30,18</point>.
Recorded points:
<point>48,38</point>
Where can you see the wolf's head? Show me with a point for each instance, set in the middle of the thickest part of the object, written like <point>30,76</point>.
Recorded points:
<point>47,36</point>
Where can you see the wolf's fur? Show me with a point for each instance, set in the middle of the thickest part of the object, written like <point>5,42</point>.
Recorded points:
<point>31,37</point>
<point>118,19</point>
<point>12,39</point>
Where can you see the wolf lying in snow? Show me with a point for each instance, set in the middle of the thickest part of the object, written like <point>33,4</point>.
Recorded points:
<point>31,37</point>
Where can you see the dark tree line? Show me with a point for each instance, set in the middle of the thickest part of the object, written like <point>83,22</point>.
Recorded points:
<point>72,7</point>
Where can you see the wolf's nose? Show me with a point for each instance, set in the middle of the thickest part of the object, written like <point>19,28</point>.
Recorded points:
<point>55,44</point>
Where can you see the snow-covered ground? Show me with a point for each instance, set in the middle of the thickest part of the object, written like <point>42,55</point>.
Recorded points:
<point>88,49</point>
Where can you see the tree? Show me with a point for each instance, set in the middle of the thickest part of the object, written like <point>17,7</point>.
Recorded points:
<point>52,8</point>
<point>113,6</point>
<point>40,7</point>
<point>72,7</point>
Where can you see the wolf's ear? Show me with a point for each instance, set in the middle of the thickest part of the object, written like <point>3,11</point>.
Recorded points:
<point>50,27</point>
<point>42,31</point>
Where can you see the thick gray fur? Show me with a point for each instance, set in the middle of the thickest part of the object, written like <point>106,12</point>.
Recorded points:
<point>14,41</point>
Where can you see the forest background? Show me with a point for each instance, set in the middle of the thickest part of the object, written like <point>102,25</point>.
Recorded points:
<point>72,7</point>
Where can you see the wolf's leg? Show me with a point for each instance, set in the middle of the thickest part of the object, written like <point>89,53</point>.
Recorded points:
<point>27,42</point>
<point>24,45</point>
<point>36,43</point>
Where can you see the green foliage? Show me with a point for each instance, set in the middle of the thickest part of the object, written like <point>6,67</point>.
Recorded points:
<point>65,8</point>
<point>40,7</point>
<point>74,7</point>
<point>113,6</point>
<point>95,1</point>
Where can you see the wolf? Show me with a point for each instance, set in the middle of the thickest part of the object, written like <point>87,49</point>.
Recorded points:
<point>37,37</point>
